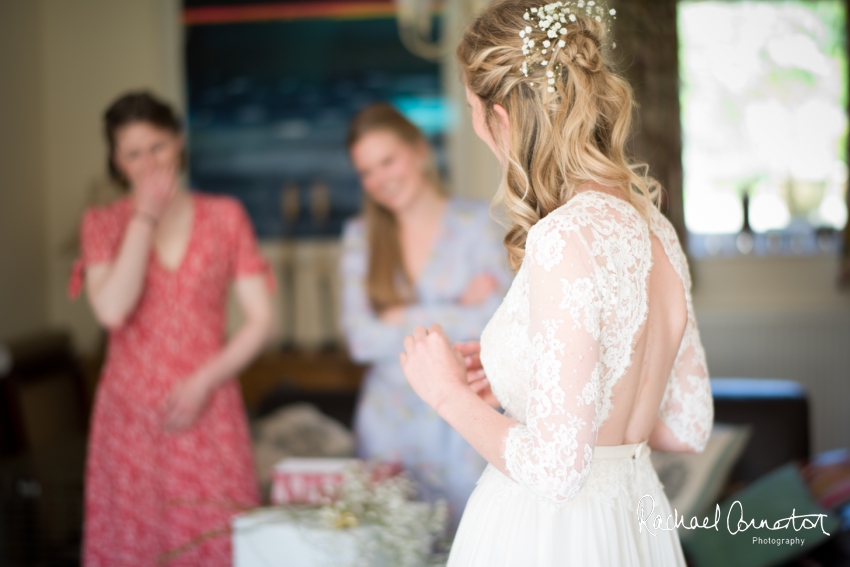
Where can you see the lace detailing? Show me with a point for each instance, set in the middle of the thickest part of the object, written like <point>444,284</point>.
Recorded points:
<point>507,363</point>
<point>563,337</point>
<point>687,407</point>
<point>579,297</point>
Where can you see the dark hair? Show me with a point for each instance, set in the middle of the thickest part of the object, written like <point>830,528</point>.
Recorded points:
<point>136,106</point>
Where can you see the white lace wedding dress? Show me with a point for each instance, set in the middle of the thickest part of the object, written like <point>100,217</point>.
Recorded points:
<point>553,353</point>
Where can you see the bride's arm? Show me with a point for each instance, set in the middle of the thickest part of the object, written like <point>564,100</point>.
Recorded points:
<point>662,439</point>
<point>475,376</point>
<point>687,410</point>
<point>438,374</point>
<point>551,453</point>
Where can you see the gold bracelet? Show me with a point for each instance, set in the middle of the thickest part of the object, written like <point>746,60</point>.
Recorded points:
<point>146,217</point>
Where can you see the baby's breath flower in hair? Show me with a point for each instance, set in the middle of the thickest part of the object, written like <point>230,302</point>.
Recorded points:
<point>552,20</point>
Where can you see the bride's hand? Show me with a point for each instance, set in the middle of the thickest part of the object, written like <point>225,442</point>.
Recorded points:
<point>475,376</point>
<point>434,369</point>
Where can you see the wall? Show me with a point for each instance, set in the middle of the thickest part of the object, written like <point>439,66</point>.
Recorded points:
<point>473,169</point>
<point>92,50</point>
<point>61,63</point>
<point>23,268</point>
<point>781,317</point>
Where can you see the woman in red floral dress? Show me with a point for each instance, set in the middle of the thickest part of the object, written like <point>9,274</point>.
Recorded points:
<point>169,458</point>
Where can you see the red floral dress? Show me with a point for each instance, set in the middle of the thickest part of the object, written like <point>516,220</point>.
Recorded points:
<point>149,492</point>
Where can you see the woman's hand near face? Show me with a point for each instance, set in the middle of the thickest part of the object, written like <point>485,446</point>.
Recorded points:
<point>149,157</point>
<point>479,289</point>
<point>433,368</point>
<point>114,288</point>
<point>154,190</point>
<point>475,376</point>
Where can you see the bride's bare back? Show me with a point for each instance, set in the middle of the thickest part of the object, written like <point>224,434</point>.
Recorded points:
<point>639,392</point>
<point>637,395</point>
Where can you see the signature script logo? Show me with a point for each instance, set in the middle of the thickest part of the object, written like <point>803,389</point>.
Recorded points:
<point>735,521</point>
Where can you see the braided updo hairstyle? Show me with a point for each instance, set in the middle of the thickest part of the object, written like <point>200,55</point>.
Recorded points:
<point>569,118</point>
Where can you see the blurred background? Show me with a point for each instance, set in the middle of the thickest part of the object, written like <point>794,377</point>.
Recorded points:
<point>742,116</point>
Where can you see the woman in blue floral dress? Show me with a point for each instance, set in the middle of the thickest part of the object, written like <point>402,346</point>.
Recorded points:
<point>414,257</point>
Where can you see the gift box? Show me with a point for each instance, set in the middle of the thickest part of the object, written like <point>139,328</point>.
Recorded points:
<point>300,538</point>
<point>316,481</point>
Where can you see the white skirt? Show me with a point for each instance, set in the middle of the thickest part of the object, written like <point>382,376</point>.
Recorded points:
<point>506,525</point>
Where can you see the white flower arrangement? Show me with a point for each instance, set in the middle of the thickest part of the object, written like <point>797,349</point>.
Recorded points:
<point>363,501</point>
<point>553,20</point>
<point>398,531</point>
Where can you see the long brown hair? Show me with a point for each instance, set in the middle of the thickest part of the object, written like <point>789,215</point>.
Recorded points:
<point>561,137</point>
<point>387,282</point>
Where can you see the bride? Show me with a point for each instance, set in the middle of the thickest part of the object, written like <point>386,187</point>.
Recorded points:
<point>594,353</point>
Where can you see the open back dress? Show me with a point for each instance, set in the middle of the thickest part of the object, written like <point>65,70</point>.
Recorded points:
<point>554,352</point>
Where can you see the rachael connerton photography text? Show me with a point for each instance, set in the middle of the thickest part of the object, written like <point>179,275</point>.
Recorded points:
<point>735,522</point>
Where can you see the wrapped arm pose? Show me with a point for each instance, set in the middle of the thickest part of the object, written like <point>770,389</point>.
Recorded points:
<point>375,337</point>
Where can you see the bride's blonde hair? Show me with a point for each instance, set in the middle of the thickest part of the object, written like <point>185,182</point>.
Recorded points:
<point>560,137</point>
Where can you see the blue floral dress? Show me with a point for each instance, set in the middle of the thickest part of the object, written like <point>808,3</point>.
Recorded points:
<point>392,423</point>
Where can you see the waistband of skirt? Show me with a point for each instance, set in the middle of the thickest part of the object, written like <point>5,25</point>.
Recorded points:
<point>630,451</point>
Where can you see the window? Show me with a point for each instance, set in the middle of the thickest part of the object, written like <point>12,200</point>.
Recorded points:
<point>763,102</point>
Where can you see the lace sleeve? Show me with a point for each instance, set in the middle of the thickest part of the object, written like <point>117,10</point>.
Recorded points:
<point>687,408</point>
<point>552,452</point>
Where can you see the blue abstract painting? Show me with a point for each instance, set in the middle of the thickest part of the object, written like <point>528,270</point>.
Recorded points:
<point>271,88</point>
